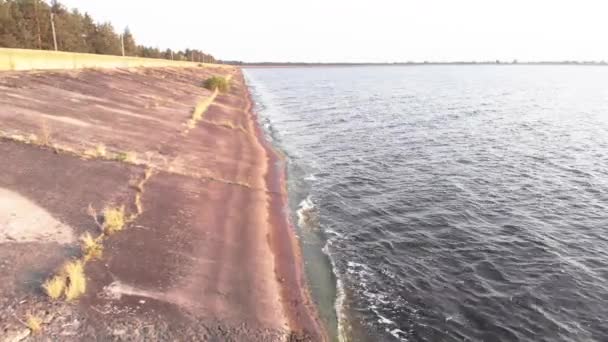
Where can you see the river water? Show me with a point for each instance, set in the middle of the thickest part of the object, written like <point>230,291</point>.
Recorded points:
<point>448,203</point>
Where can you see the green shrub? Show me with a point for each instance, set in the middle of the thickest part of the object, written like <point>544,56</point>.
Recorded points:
<point>217,82</point>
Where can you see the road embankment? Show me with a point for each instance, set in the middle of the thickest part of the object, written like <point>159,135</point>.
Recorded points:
<point>25,59</point>
<point>205,249</point>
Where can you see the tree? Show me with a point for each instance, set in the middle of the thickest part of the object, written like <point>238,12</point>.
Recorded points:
<point>130,47</point>
<point>70,28</point>
<point>23,28</point>
<point>89,32</point>
<point>8,23</point>
<point>168,54</point>
<point>26,24</point>
<point>106,41</point>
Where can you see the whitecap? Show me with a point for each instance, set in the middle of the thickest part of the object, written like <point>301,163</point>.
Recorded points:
<point>307,215</point>
<point>311,177</point>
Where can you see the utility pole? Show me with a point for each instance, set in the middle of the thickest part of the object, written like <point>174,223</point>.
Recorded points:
<point>171,54</point>
<point>122,44</point>
<point>53,28</point>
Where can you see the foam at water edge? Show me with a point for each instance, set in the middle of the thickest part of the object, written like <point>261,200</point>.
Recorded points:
<point>305,212</point>
<point>360,271</point>
<point>340,298</point>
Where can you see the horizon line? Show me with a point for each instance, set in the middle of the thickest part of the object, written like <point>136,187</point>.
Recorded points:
<point>497,62</point>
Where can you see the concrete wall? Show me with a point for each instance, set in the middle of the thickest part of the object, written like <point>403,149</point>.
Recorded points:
<point>22,59</point>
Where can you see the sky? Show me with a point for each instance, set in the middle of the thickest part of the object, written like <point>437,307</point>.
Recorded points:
<point>366,30</point>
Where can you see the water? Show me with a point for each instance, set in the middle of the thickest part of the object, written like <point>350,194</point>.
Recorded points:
<point>456,203</point>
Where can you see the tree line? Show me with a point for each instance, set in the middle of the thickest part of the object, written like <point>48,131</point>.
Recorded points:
<point>26,24</point>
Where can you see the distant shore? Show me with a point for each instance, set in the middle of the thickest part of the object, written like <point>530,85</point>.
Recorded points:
<point>297,64</point>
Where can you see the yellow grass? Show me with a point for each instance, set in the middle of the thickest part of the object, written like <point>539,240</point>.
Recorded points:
<point>77,282</point>
<point>54,286</point>
<point>114,219</point>
<point>34,323</point>
<point>21,59</point>
<point>100,149</point>
<point>200,109</point>
<point>202,106</point>
<point>127,157</point>
<point>91,248</point>
<point>217,83</point>
<point>19,138</point>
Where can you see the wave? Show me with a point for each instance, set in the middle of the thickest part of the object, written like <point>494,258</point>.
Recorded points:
<point>340,301</point>
<point>308,217</point>
<point>311,177</point>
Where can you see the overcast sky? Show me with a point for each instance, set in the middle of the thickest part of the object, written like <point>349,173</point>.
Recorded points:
<point>366,30</point>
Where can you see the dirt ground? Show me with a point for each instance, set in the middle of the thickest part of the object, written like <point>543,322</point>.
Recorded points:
<point>209,253</point>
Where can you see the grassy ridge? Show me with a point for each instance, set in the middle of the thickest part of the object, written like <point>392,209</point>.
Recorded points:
<point>22,59</point>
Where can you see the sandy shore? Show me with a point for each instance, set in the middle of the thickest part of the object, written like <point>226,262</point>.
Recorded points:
<point>209,254</point>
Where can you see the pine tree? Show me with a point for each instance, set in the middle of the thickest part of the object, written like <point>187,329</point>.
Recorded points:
<point>8,37</point>
<point>89,32</point>
<point>129,41</point>
<point>106,41</point>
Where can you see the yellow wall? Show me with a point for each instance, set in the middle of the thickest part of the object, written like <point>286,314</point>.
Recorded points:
<point>21,59</point>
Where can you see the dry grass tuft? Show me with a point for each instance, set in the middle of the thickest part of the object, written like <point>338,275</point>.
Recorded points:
<point>217,83</point>
<point>127,157</point>
<point>34,323</point>
<point>54,286</point>
<point>70,281</point>
<point>197,114</point>
<point>114,219</point>
<point>77,282</point>
<point>91,248</point>
<point>18,138</point>
<point>100,150</point>
<point>199,110</point>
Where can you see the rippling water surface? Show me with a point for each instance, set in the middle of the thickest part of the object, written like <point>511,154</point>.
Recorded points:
<point>456,202</point>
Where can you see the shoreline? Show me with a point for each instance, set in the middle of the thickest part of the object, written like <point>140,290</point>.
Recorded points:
<point>316,268</point>
<point>288,257</point>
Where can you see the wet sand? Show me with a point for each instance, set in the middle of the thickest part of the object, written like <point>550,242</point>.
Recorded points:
<point>212,255</point>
